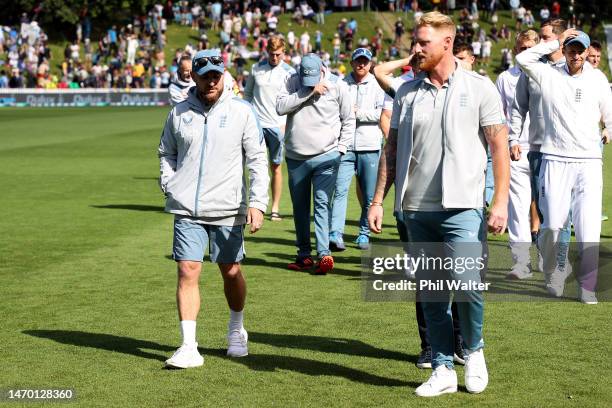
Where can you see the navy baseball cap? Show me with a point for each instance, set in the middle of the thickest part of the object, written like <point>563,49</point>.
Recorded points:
<point>361,52</point>
<point>582,38</point>
<point>207,60</point>
<point>310,70</point>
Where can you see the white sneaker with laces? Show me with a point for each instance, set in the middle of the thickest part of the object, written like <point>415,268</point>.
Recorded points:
<point>443,380</point>
<point>187,356</point>
<point>556,281</point>
<point>587,297</point>
<point>520,272</point>
<point>237,341</point>
<point>476,375</point>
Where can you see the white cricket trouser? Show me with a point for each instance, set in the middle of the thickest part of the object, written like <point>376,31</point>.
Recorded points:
<point>575,185</point>
<point>131,57</point>
<point>519,205</point>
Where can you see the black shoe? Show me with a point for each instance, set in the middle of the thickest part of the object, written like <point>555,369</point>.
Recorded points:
<point>459,358</point>
<point>424,360</point>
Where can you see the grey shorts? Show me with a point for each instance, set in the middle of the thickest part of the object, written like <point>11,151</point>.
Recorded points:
<point>275,140</point>
<point>226,244</point>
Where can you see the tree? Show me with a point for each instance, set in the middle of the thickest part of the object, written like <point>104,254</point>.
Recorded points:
<point>58,13</point>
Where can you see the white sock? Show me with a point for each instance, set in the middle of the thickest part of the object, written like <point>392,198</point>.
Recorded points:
<point>188,331</point>
<point>235,322</point>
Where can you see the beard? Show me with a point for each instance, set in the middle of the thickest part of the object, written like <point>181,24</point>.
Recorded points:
<point>210,96</point>
<point>427,64</point>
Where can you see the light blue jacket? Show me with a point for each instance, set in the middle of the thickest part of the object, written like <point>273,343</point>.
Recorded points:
<point>203,155</point>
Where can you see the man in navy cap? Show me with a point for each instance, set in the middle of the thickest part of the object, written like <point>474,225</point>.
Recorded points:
<point>211,130</point>
<point>320,128</point>
<point>364,151</point>
<point>575,97</point>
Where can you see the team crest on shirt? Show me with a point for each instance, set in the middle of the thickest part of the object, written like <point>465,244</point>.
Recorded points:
<point>223,121</point>
<point>463,100</point>
<point>578,97</point>
<point>187,119</point>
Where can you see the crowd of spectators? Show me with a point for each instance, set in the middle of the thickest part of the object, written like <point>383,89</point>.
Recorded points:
<point>134,55</point>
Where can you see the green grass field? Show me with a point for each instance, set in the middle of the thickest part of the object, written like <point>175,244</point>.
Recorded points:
<point>87,296</point>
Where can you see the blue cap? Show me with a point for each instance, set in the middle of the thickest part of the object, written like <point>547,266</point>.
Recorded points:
<point>214,62</point>
<point>310,70</point>
<point>361,52</point>
<point>582,38</point>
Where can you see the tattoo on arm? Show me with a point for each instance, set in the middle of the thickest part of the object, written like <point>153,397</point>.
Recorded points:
<point>493,131</point>
<point>386,166</point>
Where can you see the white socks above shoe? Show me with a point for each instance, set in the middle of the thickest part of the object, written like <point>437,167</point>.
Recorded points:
<point>188,327</point>
<point>188,331</point>
<point>235,322</point>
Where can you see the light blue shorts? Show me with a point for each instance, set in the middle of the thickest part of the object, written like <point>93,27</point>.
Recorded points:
<point>226,244</point>
<point>275,140</point>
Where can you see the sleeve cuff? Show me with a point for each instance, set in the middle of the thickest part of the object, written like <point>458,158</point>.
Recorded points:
<point>260,206</point>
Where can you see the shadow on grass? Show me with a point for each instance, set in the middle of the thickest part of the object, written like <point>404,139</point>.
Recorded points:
<point>109,342</point>
<point>335,345</point>
<point>133,207</point>
<point>253,261</point>
<point>272,240</point>
<point>270,362</point>
<point>257,362</point>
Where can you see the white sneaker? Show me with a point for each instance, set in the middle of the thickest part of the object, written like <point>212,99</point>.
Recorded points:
<point>237,343</point>
<point>540,262</point>
<point>443,380</point>
<point>520,272</point>
<point>556,281</point>
<point>187,356</point>
<point>476,375</point>
<point>587,297</point>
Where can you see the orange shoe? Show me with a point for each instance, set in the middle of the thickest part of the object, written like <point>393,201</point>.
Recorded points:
<point>324,265</point>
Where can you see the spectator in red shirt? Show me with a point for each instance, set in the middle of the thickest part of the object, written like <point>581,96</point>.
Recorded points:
<point>555,10</point>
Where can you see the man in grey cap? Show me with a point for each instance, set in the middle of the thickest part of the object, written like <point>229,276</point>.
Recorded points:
<point>211,130</point>
<point>320,127</point>
<point>575,97</point>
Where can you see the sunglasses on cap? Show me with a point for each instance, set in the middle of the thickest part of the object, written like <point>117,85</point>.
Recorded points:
<point>202,62</point>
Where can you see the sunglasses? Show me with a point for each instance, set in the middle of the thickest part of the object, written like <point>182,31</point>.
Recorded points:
<point>202,62</point>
